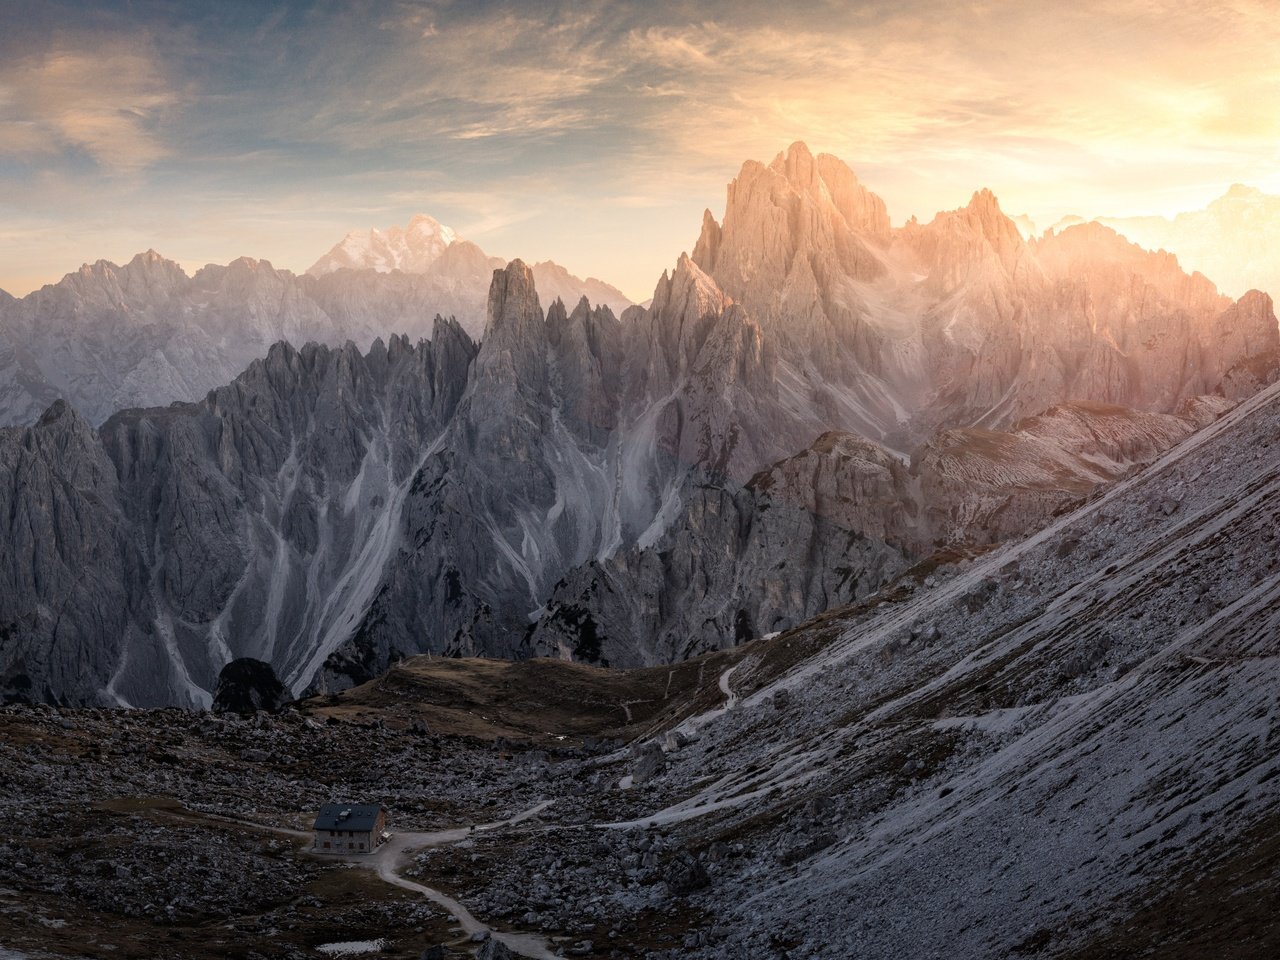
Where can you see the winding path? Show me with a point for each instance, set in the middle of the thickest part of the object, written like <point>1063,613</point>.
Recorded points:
<point>393,854</point>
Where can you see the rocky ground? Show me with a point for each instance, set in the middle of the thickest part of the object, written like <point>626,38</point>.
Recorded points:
<point>173,826</point>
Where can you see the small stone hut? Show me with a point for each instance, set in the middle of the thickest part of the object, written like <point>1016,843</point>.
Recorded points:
<point>350,827</point>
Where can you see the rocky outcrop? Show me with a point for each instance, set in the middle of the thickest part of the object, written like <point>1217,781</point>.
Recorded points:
<point>246,685</point>
<point>819,529</point>
<point>982,486</point>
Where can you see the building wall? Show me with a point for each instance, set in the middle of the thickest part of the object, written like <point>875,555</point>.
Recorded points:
<point>339,842</point>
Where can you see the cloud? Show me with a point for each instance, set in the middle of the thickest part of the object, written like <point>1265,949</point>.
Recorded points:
<point>100,99</point>
<point>599,130</point>
<point>464,78</point>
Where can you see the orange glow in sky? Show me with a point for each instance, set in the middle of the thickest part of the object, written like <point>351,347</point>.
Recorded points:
<point>594,134</point>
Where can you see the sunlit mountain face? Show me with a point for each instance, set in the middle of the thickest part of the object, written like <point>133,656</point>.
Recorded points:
<point>677,481</point>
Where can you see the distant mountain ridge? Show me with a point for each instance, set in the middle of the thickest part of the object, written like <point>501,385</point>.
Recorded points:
<point>145,334</point>
<point>420,248</point>
<point>1230,240</point>
<point>1233,240</point>
<point>412,249</point>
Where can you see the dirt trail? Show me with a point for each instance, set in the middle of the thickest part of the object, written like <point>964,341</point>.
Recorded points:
<point>393,854</point>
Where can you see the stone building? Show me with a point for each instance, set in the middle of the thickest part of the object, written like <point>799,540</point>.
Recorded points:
<point>350,827</point>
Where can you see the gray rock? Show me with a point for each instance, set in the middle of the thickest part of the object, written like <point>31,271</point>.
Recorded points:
<point>650,762</point>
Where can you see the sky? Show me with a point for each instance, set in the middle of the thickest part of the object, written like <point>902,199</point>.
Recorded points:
<point>595,133</point>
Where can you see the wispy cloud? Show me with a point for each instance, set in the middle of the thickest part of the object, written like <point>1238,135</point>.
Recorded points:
<point>100,99</point>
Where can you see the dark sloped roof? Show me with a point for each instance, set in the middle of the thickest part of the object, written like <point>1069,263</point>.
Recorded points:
<point>348,816</point>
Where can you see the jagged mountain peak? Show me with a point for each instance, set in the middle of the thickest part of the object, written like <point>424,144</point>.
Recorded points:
<point>983,210</point>
<point>251,265</point>
<point>1096,250</point>
<point>975,243</point>
<point>798,165</point>
<point>513,296</point>
<point>146,261</point>
<point>688,293</point>
<point>553,280</point>
<point>513,348</point>
<point>149,256</point>
<point>423,225</point>
<point>65,438</point>
<point>60,412</point>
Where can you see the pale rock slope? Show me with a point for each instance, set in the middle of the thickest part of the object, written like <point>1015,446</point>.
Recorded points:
<point>1064,748</point>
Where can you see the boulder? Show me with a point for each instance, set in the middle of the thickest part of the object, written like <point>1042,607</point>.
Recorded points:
<point>246,686</point>
<point>650,762</point>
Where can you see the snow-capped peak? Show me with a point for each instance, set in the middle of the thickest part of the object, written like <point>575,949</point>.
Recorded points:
<point>411,249</point>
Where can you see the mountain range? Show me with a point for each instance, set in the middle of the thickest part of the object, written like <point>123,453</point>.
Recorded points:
<point>145,334</point>
<point>813,403</point>
<point>1230,240</point>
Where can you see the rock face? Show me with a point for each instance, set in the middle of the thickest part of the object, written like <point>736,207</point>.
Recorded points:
<point>957,322</point>
<point>616,490</point>
<point>246,685</point>
<point>837,521</point>
<point>109,337</point>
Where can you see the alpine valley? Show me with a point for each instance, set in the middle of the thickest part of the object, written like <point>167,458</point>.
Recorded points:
<point>872,592</point>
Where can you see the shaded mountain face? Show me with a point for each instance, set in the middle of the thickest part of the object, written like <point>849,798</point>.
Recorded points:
<point>111,337</point>
<point>623,490</point>
<point>573,485</point>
